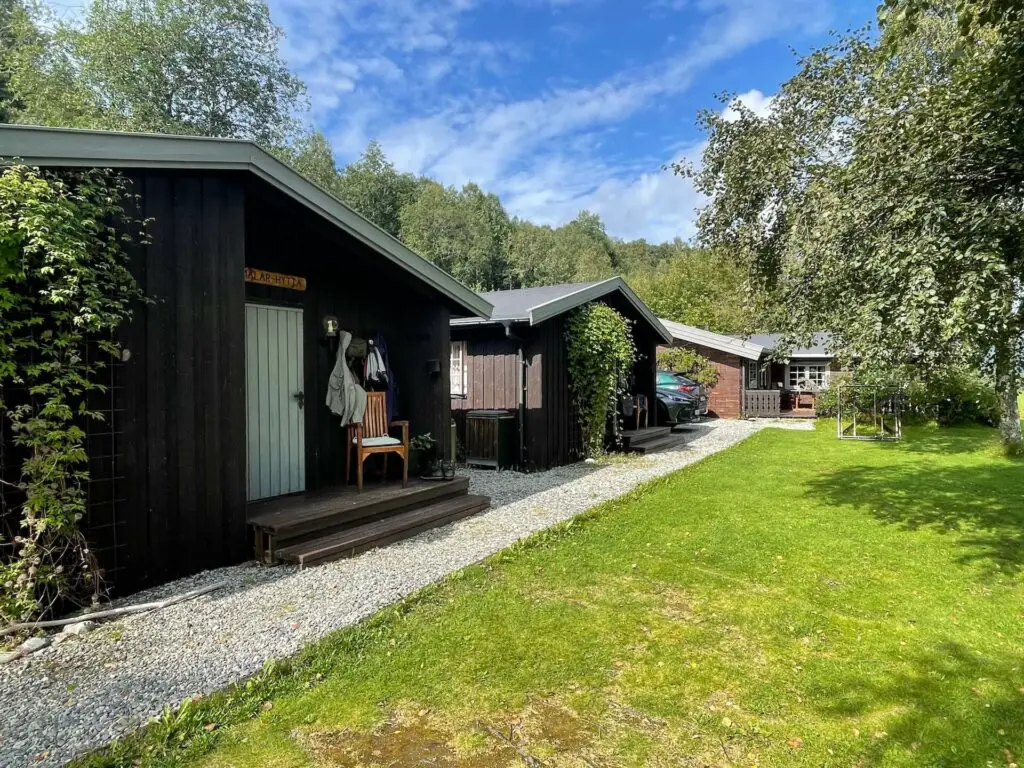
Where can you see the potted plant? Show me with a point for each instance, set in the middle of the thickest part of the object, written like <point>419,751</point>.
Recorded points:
<point>422,450</point>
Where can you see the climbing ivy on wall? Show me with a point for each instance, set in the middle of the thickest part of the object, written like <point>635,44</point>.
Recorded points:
<point>64,284</point>
<point>601,353</point>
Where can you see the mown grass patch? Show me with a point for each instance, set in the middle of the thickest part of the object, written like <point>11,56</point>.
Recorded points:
<point>795,600</point>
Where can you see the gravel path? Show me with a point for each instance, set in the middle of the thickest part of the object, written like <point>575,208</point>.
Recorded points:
<point>89,689</point>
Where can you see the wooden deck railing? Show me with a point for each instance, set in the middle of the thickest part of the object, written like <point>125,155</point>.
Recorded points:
<point>762,403</point>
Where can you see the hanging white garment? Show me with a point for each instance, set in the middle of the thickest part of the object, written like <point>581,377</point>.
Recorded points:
<point>345,397</point>
<point>375,370</point>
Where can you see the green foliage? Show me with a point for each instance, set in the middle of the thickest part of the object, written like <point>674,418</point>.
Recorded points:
<point>312,156</point>
<point>465,232</point>
<point>64,286</point>
<point>371,186</point>
<point>207,67</point>
<point>16,25</point>
<point>697,287</point>
<point>881,196</point>
<point>601,353</point>
<point>424,442</point>
<point>689,363</point>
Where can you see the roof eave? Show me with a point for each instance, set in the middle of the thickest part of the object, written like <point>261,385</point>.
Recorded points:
<point>555,307</point>
<point>64,147</point>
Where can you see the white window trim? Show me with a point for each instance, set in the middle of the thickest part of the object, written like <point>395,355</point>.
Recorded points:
<point>459,369</point>
<point>807,367</point>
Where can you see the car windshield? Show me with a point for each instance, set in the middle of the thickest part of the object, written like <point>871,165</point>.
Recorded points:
<point>664,377</point>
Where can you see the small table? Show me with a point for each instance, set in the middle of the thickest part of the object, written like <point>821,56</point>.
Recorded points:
<point>798,399</point>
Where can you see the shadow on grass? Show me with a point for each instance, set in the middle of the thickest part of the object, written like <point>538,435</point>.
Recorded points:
<point>946,705</point>
<point>983,504</point>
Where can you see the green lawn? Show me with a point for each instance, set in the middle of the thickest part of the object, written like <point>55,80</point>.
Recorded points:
<point>792,601</point>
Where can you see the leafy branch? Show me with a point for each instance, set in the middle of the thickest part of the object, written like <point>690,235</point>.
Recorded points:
<point>65,288</point>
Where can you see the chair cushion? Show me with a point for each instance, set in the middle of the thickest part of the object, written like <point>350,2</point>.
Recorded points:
<point>373,442</point>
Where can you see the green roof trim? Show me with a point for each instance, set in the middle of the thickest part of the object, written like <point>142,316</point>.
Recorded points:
<point>70,147</point>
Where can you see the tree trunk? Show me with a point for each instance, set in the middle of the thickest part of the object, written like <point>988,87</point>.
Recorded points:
<point>1008,388</point>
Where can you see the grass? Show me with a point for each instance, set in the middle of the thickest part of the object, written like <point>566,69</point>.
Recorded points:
<point>794,601</point>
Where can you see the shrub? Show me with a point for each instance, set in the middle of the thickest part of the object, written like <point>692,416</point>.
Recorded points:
<point>600,352</point>
<point>688,363</point>
<point>954,396</point>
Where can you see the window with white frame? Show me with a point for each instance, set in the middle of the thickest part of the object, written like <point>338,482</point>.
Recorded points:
<point>803,376</point>
<point>458,369</point>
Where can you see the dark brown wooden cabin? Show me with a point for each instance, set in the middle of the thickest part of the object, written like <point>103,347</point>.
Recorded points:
<point>516,361</point>
<point>220,403</point>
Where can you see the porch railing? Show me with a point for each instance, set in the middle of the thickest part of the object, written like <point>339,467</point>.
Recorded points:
<point>762,403</point>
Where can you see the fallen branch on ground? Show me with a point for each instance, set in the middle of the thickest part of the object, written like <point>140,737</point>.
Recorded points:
<point>29,625</point>
<point>529,759</point>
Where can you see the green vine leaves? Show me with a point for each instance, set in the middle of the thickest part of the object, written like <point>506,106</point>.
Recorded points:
<point>601,353</point>
<point>65,288</point>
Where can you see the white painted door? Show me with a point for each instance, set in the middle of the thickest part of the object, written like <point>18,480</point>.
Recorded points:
<point>275,401</point>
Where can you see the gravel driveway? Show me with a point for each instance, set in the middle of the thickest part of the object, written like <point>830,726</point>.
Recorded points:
<point>90,689</point>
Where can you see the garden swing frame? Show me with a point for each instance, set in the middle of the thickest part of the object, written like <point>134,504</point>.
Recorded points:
<point>886,402</point>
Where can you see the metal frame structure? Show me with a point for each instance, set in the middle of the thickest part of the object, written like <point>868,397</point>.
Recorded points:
<point>886,411</point>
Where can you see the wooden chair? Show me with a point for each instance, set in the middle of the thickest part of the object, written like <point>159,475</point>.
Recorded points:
<point>640,405</point>
<point>372,436</point>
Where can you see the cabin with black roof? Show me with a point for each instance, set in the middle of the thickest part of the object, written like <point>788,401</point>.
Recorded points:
<point>515,361</point>
<point>217,433</point>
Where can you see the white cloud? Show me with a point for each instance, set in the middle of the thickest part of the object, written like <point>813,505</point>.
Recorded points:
<point>753,100</point>
<point>506,146</point>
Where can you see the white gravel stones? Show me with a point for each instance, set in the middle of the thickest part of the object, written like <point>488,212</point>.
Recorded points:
<point>82,693</point>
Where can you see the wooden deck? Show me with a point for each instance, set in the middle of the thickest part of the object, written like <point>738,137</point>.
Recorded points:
<point>316,527</point>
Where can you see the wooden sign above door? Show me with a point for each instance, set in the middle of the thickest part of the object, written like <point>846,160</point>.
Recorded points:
<point>263,277</point>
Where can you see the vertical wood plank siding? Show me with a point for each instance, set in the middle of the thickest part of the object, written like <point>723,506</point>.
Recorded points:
<point>175,503</point>
<point>368,296</point>
<point>184,383</point>
<point>551,427</point>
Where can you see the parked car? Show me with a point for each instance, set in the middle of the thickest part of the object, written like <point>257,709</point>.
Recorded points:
<point>678,384</point>
<point>675,407</point>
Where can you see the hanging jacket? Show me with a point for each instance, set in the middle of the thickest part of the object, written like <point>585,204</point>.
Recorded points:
<point>345,397</point>
<point>376,370</point>
<point>392,385</point>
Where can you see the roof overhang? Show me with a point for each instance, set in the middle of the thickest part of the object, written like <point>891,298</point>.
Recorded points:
<point>545,311</point>
<point>729,344</point>
<point>67,147</point>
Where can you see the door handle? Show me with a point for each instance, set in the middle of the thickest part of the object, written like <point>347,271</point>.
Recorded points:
<point>300,397</point>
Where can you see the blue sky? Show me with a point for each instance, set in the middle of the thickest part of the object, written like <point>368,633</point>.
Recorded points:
<point>555,105</point>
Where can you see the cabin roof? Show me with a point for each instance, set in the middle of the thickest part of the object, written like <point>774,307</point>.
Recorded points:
<point>535,305</point>
<point>817,349</point>
<point>69,147</point>
<point>752,348</point>
<point>748,349</point>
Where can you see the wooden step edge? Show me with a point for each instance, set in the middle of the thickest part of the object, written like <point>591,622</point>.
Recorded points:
<point>416,530</point>
<point>659,445</point>
<point>356,536</point>
<point>337,519</point>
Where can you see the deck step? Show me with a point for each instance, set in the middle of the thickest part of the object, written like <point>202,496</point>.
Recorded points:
<point>294,519</point>
<point>661,444</point>
<point>395,527</point>
<point>632,438</point>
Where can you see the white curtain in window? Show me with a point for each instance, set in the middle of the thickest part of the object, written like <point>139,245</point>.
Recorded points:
<point>458,368</point>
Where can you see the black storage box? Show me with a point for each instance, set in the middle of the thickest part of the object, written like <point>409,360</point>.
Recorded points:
<point>491,439</point>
